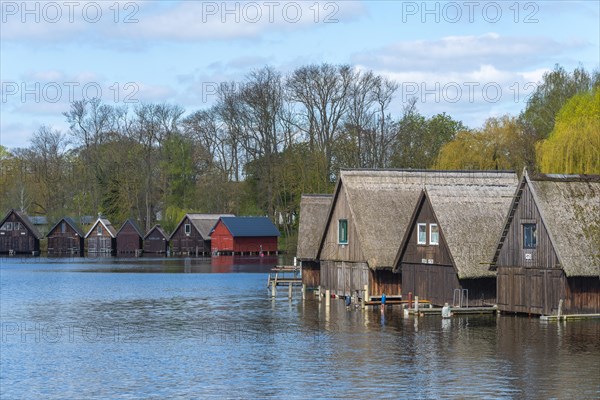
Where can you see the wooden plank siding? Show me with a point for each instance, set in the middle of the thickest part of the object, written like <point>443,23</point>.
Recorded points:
<point>189,244</point>
<point>65,240</point>
<point>156,242</point>
<point>129,240</point>
<point>332,250</point>
<point>385,281</point>
<point>101,243</point>
<point>513,253</point>
<point>344,278</point>
<point>311,274</point>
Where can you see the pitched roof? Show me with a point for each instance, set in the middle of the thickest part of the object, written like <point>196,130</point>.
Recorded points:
<point>569,207</point>
<point>250,226</point>
<point>203,223</point>
<point>471,218</point>
<point>69,222</point>
<point>159,229</point>
<point>25,220</point>
<point>135,227</point>
<point>313,214</point>
<point>107,225</point>
<point>382,202</point>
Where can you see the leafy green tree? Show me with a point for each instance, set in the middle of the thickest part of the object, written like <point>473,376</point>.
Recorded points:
<point>573,147</point>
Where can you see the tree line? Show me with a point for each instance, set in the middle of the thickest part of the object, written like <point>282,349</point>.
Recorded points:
<point>269,138</point>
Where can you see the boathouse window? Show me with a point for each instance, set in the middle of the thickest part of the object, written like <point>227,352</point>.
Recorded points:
<point>343,231</point>
<point>188,229</point>
<point>99,230</point>
<point>529,236</point>
<point>17,226</point>
<point>9,226</point>
<point>421,233</point>
<point>63,228</point>
<point>434,234</point>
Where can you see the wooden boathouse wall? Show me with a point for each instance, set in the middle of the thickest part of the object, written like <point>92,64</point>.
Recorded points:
<point>531,280</point>
<point>129,239</point>
<point>311,274</point>
<point>156,241</point>
<point>65,239</point>
<point>18,235</point>
<point>188,244</point>
<point>428,271</point>
<point>344,278</point>
<point>100,240</point>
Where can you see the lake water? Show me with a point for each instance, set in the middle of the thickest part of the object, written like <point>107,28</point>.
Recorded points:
<point>208,328</point>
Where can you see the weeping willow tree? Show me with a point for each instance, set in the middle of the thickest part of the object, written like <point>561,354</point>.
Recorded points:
<point>573,147</point>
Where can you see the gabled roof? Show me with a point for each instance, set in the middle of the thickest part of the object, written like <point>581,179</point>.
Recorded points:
<point>159,229</point>
<point>69,222</point>
<point>25,220</point>
<point>569,206</point>
<point>313,214</point>
<point>471,218</point>
<point>382,202</point>
<point>135,227</point>
<point>250,226</point>
<point>107,225</point>
<point>203,223</point>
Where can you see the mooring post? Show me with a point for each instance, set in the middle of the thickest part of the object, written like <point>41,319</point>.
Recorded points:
<point>327,298</point>
<point>273,290</point>
<point>366,293</point>
<point>320,293</point>
<point>303,291</point>
<point>416,303</point>
<point>560,309</point>
<point>290,288</point>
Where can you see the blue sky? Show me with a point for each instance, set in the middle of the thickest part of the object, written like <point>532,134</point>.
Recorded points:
<point>471,59</point>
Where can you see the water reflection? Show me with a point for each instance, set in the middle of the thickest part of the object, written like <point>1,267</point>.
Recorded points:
<point>78,330</point>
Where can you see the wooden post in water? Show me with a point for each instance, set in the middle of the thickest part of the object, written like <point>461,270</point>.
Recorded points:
<point>319,293</point>
<point>303,291</point>
<point>273,289</point>
<point>560,309</point>
<point>416,303</point>
<point>290,289</point>
<point>327,298</point>
<point>366,293</point>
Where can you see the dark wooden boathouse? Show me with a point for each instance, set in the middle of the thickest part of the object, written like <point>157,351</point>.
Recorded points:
<point>65,238</point>
<point>18,235</point>
<point>101,238</point>
<point>313,214</point>
<point>549,249</point>
<point>130,238</point>
<point>156,241</point>
<point>244,235</point>
<point>451,238</point>
<point>192,234</point>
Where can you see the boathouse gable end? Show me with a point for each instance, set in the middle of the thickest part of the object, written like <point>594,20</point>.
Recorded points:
<point>18,234</point>
<point>129,238</point>
<point>156,241</point>
<point>239,235</point>
<point>101,238</point>
<point>65,237</point>
<point>192,234</point>
<point>560,261</point>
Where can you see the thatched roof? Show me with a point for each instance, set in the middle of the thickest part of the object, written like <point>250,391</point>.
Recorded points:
<point>25,221</point>
<point>569,206</point>
<point>107,225</point>
<point>313,214</point>
<point>471,218</point>
<point>382,202</point>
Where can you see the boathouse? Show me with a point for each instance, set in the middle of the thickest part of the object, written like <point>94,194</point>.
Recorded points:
<point>192,234</point>
<point>156,241</point>
<point>130,238</point>
<point>65,238</point>
<point>313,214</point>
<point>452,236</point>
<point>244,235</point>
<point>18,235</point>
<point>101,238</point>
<point>366,221</point>
<point>549,250</point>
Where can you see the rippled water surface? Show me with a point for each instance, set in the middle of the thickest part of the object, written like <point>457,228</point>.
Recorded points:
<point>208,328</point>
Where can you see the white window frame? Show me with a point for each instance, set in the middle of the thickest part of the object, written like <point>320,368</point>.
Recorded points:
<point>187,229</point>
<point>431,242</point>
<point>9,226</point>
<point>419,225</point>
<point>99,230</point>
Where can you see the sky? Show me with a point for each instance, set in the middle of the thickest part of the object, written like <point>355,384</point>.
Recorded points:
<point>470,59</point>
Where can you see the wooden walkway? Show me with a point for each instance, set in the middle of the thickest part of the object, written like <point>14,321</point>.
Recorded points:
<point>284,276</point>
<point>454,310</point>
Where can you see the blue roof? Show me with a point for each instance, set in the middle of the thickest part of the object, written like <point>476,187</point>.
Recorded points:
<point>250,226</point>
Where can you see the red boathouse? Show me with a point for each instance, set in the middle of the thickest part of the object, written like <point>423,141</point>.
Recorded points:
<point>239,235</point>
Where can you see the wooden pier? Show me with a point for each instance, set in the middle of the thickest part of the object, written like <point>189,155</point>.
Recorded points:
<point>284,276</point>
<point>420,312</point>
